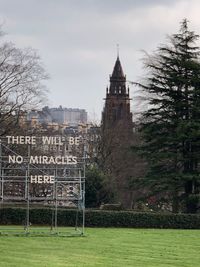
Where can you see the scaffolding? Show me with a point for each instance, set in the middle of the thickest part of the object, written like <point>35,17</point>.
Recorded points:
<point>66,191</point>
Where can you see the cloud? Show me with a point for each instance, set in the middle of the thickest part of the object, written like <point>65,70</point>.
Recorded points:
<point>77,40</point>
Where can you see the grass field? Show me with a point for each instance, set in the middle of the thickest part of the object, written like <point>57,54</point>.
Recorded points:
<point>104,247</point>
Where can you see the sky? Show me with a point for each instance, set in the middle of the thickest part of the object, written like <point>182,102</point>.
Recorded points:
<point>77,40</point>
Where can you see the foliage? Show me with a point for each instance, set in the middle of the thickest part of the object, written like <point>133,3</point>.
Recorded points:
<point>119,163</point>
<point>96,188</point>
<point>171,126</point>
<point>101,218</point>
<point>115,206</point>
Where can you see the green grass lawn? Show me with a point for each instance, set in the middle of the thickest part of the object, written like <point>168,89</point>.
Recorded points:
<point>104,247</point>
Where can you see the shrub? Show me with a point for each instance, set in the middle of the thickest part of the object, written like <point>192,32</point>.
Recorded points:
<point>117,206</point>
<point>101,218</point>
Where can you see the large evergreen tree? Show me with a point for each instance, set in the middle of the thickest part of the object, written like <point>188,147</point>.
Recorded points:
<point>171,125</point>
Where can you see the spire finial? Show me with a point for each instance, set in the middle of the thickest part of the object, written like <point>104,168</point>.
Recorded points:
<point>117,50</point>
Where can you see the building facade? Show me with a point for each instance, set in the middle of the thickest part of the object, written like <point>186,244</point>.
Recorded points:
<point>60,115</point>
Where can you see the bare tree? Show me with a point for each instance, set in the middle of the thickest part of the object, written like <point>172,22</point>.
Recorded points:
<point>21,76</point>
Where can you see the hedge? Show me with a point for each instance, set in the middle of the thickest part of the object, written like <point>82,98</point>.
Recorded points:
<point>99,218</point>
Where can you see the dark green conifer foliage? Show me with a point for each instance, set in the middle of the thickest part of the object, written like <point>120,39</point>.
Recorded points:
<point>171,125</point>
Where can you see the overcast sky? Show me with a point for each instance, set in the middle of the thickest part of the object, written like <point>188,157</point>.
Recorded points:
<point>77,39</point>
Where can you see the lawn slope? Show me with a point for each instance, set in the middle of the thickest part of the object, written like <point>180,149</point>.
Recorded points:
<point>104,247</point>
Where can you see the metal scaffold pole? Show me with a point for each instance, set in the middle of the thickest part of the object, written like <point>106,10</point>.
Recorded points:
<point>27,192</point>
<point>56,202</point>
<point>1,177</point>
<point>27,220</point>
<point>83,189</point>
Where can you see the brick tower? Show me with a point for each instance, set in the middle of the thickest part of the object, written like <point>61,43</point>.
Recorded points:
<point>117,136</point>
<point>117,102</point>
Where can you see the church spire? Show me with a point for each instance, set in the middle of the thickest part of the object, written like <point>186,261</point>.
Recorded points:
<point>118,71</point>
<point>117,105</point>
<point>117,80</point>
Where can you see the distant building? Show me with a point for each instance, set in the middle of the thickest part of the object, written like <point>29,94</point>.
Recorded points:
<point>117,102</point>
<point>60,115</point>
